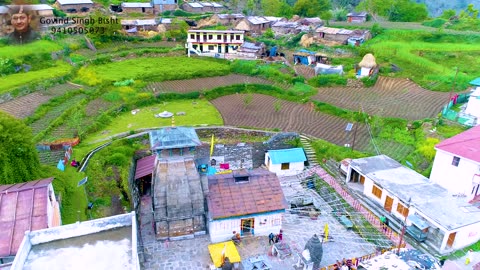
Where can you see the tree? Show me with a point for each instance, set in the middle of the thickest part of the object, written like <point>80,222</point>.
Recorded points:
<point>340,14</point>
<point>448,13</point>
<point>278,8</point>
<point>19,159</point>
<point>406,11</point>
<point>376,8</point>
<point>309,8</point>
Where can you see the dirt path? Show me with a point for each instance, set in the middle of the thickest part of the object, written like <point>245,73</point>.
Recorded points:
<point>390,97</point>
<point>199,84</point>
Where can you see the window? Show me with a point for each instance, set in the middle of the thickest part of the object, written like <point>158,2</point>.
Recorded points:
<point>219,36</point>
<point>285,166</point>
<point>192,36</point>
<point>237,37</point>
<point>455,161</point>
<point>401,209</point>
<point>211,48</point>
<point>377,192</point>
<point>210,36</point>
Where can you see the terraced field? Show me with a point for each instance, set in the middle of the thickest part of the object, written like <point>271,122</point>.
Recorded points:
<point>295,117</point>
<point>26,105</point>
<point>185,86</point>
<point>47,119</point>
<point>390,97</point>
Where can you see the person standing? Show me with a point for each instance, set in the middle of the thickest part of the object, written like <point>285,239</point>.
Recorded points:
<point>20,19</point>
<point>271,238</point>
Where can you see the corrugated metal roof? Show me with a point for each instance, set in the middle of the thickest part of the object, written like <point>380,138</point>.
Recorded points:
<point>174,137</point>
<point>23,207</point>
<point>195,5</point>
<point>287,155</point>
<point>251,45</point>
<point>166,20</point>
<point>206,4</point>
<point>257,20</point>
<point>217,5</point>
<point>136,5</point>
<point>73,2</point>
<point>145,166</point>
<point>285,24</point>
<point>333,31</point>
<point>228,16</point>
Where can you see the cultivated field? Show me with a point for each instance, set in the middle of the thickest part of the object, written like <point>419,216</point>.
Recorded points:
<point>390,97</point>
<point>24,106</point>
<point>260,113</point>
<point>199,84</point>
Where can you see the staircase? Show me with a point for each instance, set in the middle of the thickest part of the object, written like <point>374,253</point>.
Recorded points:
<point>307,147</point>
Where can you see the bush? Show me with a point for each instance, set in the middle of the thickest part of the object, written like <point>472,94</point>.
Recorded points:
<point>182,13</point>
<point>437,23</point>
<point>117,159</point>
<point>327,80</point>
<point>59,13</point>
<point>369,81</point>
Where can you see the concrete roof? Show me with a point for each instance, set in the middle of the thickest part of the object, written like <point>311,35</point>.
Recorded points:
<point>287,155</point>
<point>136,5</point>
<point>107,243</point>
<point>218,31</point>
<point>430,199</point>
<point>73,2</point>
<point>217,5</point>
<point>23,207</point>
<point>465,144</point>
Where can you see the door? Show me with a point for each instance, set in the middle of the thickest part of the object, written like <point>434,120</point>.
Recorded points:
<point>362,179</point>
<point>451,239</point>
<point>388,204</point>
<point>219,48</point>
<point>247,225</point>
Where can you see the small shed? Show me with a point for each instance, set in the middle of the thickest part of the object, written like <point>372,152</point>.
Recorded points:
<point>180,139</point>
<point>164,5</point>
<point>251,50</point>
<point>143,8</point>
<point>227,19</point>
<point>473,105</point>
<point>285,162</point>
<point>133,26</point>
<point>74,6</point>
<point>253,24</point>
<point>324,69</point>
<point>367,66</point>
<point>283,28</point>
<point>357,17</point>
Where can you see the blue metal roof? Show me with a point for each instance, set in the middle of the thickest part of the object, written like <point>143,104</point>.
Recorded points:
<point>287,155</point>
<point>173,137</point>
<point>476,82</point>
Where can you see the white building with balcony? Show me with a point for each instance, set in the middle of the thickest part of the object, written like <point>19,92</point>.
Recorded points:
<point>216,43</point>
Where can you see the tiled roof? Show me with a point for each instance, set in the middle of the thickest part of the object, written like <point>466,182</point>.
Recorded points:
<point>145,166</point>
<point>287,155</point>
<point>262,193</point>
<point>465,144</point>
<point>174,137</point>
<point>23,207</point>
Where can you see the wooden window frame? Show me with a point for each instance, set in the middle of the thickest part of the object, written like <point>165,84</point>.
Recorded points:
<point>285,166</point>
<point>376,191</point>
<point>402,209</point>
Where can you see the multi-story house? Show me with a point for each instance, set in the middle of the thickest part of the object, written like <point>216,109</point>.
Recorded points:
<point>214,42</point>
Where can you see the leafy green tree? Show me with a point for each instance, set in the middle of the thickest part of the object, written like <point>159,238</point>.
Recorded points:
<point>407,11</point>
<point>448,13</point>
<point>376,8</point>
<point>269,33</point>
<point>469,12</point>
<point>340,14</point>
<point>279,8</point>
<point>19,159</point>
<point>250,6</point>
<point>309,8</point>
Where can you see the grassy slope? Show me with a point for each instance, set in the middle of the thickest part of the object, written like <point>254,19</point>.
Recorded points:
<point>160,69</point>
<point>196,114</point>
<point>41,46</point>
<point>9,82</point>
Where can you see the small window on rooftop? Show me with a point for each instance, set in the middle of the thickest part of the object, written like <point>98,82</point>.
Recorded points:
<point>285,166</point>
<point>455,161</point>
<point>241,179</point>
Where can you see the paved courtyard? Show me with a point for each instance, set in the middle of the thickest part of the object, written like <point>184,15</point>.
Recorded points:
<point>297,229</point>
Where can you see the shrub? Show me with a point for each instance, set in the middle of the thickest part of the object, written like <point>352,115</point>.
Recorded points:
<point>369,81</point>
<point>437,23</point>
<point>427,148</point>
<point>88,76</point>
<point>327,80</point>
<point>117,159</point>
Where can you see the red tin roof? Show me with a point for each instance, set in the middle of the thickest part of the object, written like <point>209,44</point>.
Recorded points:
<point>145,166</point>
<point>23,207</point>
<point>262,193</point>
<point>465,144</point>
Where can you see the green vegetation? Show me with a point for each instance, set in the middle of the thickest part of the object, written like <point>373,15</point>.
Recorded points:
<point>155,69</point>
<point>19,160</point>
<point>9,82</point>
<point>328,80</point>
<point>37,47</point>
<point>145,117</point>
<point>326,150</point>
<point>394,10</point>
<point>407,49</point>
<point>275,72</point>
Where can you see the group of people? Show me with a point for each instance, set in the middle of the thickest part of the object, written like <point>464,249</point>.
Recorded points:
<point>343,265</point>
<point>275,238</point>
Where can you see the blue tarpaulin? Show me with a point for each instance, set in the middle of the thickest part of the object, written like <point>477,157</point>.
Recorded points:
<point>60,165</point>
<point>475,82</point>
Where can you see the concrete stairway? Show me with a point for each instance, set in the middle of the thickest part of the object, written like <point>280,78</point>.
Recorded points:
<point>307,147</point>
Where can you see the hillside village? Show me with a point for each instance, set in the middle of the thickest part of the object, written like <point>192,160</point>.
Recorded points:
<point>171,134</point>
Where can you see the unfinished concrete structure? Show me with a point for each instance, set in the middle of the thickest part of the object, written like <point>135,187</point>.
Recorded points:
<point>178,200</point>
